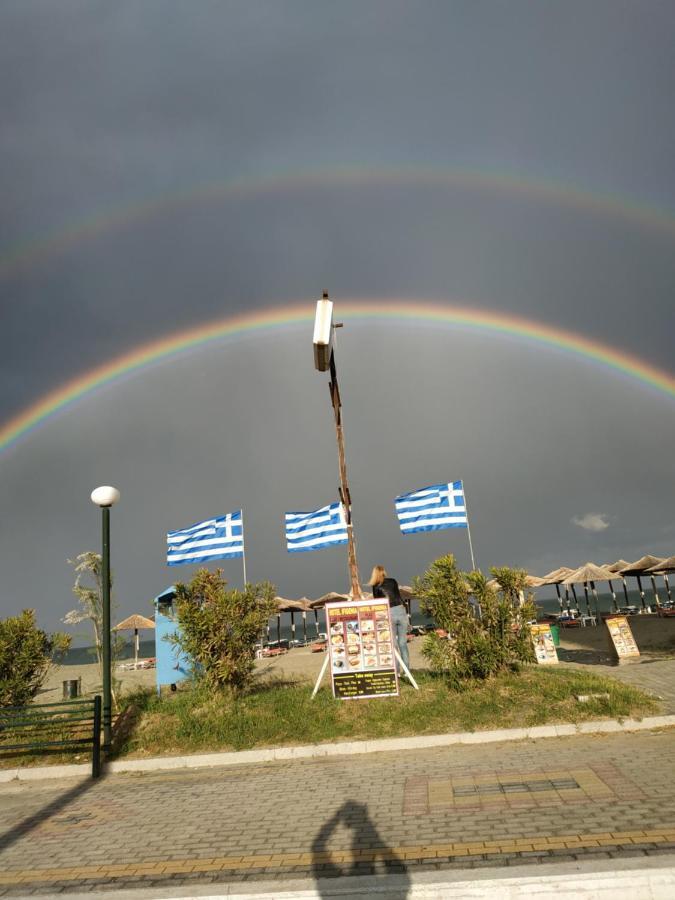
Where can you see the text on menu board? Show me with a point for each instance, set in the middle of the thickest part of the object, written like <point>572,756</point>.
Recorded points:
<point>361,649</point>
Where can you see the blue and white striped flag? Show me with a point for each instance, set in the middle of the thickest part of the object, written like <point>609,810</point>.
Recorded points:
<point>315,530</point>
<point>432,508</point>
<point>221,538</point>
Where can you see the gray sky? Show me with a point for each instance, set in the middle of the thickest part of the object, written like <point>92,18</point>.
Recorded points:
<point>107,110</point>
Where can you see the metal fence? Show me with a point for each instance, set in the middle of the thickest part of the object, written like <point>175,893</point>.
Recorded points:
<point>52,728</point>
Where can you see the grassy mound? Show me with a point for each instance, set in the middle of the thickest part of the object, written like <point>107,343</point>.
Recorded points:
<point>277,714</point>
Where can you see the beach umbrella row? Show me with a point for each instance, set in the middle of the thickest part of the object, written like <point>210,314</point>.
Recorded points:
<point>590,573</point>
<point>586,575</point>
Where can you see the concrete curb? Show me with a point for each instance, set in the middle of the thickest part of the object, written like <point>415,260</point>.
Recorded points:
<point>649,877</point>
<point>313,751</point>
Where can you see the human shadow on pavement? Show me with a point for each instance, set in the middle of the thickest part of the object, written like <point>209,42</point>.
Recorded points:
<point>60,803</point>
<point>378,858</point>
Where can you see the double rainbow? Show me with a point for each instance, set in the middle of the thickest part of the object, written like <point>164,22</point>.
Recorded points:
<point>30,253</point>
<point>400,310</point>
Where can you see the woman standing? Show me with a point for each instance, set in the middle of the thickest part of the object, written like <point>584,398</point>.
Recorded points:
<point>383,586</point>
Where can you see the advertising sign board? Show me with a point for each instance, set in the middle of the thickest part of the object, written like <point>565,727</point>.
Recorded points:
<point>544,648</point>
<point>361,649</point>
<point>622,642</point>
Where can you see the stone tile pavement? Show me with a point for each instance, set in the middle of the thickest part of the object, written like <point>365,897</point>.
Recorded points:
<point>652,674</point>
<point>491,805</point>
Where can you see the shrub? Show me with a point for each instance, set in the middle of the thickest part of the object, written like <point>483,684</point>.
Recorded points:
<point>486,625</point>
<point>219,629</point>
<point>26,653</point>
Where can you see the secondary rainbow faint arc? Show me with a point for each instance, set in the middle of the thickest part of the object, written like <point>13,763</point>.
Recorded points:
<point>31,252</point>
<point>618,361</point>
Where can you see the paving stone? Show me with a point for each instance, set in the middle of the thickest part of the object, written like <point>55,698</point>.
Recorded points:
<point>196,817</point>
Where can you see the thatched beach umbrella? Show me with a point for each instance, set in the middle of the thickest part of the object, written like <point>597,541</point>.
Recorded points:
<point>330,597</point>
<point>589,574</point>
<point>305,608</point>
<point>556,577</point>
<point>289,606</point>
<point>641,567</point>
<point>616,568</point>
<point>292,607</point>
<point>135,622</point>
<point>320,602</point>
<point>531,581</point>
<point>663,568</point>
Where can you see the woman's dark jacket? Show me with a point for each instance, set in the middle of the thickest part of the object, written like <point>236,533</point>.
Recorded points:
<point>388,588</point>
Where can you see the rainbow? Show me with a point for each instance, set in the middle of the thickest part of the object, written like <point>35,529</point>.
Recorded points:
<point>409,311</point>
<point>32,252</point>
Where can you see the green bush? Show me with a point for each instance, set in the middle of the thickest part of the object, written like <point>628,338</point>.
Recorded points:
<point>219,629</point>
<point>485,636</point>
<point>26,653</point>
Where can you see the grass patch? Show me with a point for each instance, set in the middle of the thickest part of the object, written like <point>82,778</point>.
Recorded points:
<point>277,714</point>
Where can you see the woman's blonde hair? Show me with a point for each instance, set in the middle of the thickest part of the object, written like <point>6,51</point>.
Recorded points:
<point>378,575</point>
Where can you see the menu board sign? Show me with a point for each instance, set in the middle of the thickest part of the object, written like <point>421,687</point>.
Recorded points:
<point>622,642</point>
<point>544,648</point>
<point>360,644</point>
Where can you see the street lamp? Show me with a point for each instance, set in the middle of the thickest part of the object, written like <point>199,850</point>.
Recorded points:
<point>105,497</point>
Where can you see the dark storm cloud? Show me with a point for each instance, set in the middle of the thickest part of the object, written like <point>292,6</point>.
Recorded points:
<point>249,424</point>
<point>106,107</point>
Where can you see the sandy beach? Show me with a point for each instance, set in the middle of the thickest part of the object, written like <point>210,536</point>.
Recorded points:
<point>583,645</point>
<point>298,664</point>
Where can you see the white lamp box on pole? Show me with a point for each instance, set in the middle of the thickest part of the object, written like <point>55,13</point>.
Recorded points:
<point>323,334</point>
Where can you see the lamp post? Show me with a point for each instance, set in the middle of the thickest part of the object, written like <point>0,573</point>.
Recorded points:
<point>105,497</point>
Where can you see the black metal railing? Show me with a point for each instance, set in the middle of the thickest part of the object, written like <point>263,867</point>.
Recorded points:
<point>52,728</point>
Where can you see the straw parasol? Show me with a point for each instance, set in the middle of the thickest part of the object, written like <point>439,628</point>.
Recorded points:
<point>640,567</point>
<point>531,581</point>
<point>136,622</point>
<point>663,568</point>
<point>615,568</point>
<point>556,577</point>
<point>330,597</point>
<point>589,574</point>
<point>292,607</point>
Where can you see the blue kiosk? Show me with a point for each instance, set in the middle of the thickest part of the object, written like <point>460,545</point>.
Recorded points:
<point>171,665</point>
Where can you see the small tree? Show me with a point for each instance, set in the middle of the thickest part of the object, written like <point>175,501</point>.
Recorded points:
<point>90,598</point>
<point>485,636</point>
<point>26,654</point>
<point>89,566</point>
<point>219,628</point>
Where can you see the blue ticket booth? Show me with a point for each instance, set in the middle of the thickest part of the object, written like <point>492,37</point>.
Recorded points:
<point>172,666</point>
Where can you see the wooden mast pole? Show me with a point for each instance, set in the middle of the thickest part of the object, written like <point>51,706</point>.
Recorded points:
<point>345,496</point>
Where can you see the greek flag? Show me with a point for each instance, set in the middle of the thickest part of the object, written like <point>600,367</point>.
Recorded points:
<point>221,538</point>
<point>432,508</point>
<point>315,530</point>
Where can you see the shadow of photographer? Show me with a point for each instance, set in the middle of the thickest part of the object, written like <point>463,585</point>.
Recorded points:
<point>377,859</point>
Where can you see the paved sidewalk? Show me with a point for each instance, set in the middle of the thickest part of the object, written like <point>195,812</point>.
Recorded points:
<point>651,674</point>
<point>461,807</point>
